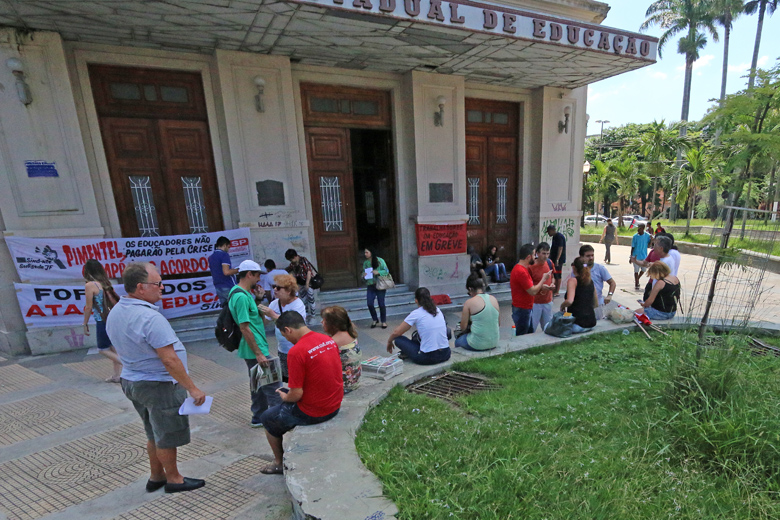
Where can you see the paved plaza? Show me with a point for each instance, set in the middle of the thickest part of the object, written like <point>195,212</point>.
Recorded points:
<point>72,447</point>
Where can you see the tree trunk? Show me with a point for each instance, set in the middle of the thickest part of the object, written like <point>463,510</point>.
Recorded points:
<point>747,205</point>
<point>713,202</point>
<point>756,45</point>
<point>770,200</point>
<point>691,204</point>
<point>686,105</point>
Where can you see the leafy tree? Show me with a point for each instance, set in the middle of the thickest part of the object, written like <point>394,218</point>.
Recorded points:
<point>762,6</point>
<point>600,181</point>
<point>694,173</point>
<point>692,18</point>
<point>627,175</point>
<point>724,12</point>
<point>750,126</point>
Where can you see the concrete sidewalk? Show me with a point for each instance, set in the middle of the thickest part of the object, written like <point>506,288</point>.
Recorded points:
<point>72,447</point>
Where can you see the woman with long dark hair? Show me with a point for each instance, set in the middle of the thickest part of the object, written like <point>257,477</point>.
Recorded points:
<point>377,267</point>
<point>100,297</point>
<point>581,299</point>
<point>431,344</point>
<point>494,266</point>
<point>337,325</point>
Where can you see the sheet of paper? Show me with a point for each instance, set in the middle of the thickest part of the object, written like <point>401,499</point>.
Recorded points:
<point>369,273</point>
<point>189,408</point>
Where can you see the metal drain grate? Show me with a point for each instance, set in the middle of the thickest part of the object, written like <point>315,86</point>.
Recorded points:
<point>450,385</point>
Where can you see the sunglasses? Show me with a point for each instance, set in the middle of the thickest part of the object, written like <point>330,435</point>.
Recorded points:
<point>158,284</point>
<point>275,287</point>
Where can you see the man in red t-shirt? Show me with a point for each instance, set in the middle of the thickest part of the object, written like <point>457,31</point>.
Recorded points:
<point>316,385</point>
<point>524,290</point>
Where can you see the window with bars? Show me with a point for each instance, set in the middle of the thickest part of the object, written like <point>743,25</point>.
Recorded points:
<point>473,200</point>
<point>501,184</point>
<point>143,201</point>
<point>193,201</point>
<point>330,194</point>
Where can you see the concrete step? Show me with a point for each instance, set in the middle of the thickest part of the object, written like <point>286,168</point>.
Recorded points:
<point>398,302</point>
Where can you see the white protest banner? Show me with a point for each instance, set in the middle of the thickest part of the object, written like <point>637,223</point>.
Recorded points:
<point>45,259</point>
<point>57,305</point>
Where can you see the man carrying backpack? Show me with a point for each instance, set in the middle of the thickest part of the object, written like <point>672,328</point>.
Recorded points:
<point>253,348</point>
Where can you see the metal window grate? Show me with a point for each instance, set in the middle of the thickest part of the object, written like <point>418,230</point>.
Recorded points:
<point>143,200</point>
<point>501,184</point>
<point>450,385</point>
<point>473,200</point>
<point>330,193</point>
<point>193,197</point>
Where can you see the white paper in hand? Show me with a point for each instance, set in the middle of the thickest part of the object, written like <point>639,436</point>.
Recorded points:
<point>369,273</point>
<point>189,407</point>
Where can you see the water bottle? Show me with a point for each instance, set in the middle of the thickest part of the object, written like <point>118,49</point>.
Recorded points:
<point>626,332</point>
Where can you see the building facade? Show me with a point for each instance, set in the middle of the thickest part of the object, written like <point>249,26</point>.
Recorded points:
<point>327,126</point>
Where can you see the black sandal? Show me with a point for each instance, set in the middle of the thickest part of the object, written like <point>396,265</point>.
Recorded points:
<point>384,325</point>
<point>373,325</point>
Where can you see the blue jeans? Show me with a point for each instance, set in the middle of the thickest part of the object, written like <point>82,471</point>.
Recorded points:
<point>373,293</point>
<point>522,319</point>
<point>222,294</point>
<point>282,418</point>
<point>497,271</point>
<point>576,329</point>
<point>411,349</point>
<point>264,398</point>
<point>655,314</point>
<point>462,342</point>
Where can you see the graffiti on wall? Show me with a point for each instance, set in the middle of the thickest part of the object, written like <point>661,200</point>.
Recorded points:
<point>273,244</point>
<point>442,270</point>
<point>565,225</point>
<point>559,206</point>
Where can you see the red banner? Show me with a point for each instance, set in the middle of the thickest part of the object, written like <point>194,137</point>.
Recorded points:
<point>446,239</point>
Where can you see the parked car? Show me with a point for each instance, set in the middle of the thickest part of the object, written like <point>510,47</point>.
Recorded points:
<point>638,219</point>
<point>592,220</point>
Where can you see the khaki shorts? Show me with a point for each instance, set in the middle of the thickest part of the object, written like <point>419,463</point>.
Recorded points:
<point>158,402</point>
<point>639,269</point>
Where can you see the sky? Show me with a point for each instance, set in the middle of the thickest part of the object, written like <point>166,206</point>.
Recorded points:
<point>655,92</point>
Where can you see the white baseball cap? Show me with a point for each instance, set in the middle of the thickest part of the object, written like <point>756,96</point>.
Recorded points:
<point>249,265</point>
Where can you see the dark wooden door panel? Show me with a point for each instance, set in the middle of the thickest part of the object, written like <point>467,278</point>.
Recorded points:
<point>189,176</point>
<point>136,176</point>
<point>330,179</point>
<point>476,189</point>
<point>492,129</point>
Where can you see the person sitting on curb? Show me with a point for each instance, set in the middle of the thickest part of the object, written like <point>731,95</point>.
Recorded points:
<point>430,344</point>
<point>316,388</point>
<point>479,319</point>
<point>661,293</point>
<point>581,298</point>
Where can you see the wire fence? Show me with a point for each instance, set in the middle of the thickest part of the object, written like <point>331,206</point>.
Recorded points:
<point>728,291</point>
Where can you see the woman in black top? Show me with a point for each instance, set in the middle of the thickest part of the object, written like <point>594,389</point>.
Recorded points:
<point>662,292</point>
<point>581,298</point>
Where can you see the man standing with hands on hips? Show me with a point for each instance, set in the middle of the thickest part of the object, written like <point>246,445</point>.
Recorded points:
<point>154,374</point>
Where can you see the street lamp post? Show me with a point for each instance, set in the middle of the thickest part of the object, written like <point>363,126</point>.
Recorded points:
<point>601,138</point>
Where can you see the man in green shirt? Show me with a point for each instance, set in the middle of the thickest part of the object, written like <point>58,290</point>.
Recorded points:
<point>253,348</point>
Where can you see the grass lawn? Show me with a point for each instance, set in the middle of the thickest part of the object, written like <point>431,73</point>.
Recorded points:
<point>610,427</point>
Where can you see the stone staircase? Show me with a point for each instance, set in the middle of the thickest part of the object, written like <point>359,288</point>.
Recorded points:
<point>398,301</point>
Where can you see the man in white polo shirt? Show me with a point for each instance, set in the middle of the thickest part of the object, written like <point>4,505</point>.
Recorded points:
<point>154,374</point>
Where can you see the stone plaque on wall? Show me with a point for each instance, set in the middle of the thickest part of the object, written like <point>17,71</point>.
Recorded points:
<point>270,193</point>
<point>440,192</point>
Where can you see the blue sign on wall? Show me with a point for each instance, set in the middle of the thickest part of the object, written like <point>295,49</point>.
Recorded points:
<point>41,169</point>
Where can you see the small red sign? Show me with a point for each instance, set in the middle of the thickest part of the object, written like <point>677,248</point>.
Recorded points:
<point>435,239</point>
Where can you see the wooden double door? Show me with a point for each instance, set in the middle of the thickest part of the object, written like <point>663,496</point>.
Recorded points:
<point>155,133</point>
<point>492,170</point>
<point>350,161</point>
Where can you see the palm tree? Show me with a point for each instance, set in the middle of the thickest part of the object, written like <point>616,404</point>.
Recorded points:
<point>725,12</point>
<point>694,18</point>
<point>693,175</point>
<point>600,181</point>
<point>762,6</point>
<point>658,145</point>
<point>627,176</point>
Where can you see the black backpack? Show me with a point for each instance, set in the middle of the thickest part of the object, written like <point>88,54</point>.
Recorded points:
<point>227,331</point>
